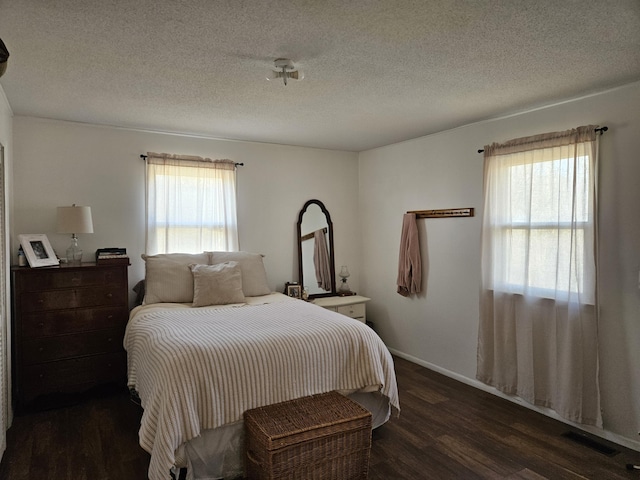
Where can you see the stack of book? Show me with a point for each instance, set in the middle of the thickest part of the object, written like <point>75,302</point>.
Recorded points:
<point>112,256</point>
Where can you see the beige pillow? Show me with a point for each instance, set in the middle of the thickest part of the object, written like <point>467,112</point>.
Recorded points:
<point>254,276</point>
<point>217,284</point>
<point>169,278</point>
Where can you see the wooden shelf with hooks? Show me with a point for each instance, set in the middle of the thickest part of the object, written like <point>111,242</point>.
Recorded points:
<point>444,213</point>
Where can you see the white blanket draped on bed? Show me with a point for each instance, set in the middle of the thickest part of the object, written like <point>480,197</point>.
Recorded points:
<point>200,368</point>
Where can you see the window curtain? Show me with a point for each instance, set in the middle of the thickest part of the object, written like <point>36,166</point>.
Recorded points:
<point>191,204</point>
<point>538,333</point>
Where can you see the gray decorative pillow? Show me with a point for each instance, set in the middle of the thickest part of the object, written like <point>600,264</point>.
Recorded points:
<point>169,278</point>
<point>219,284</point>
<point>254,276</point>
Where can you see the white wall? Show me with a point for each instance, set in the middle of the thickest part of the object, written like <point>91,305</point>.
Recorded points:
<point>59,163</point>
<point>439,327</point>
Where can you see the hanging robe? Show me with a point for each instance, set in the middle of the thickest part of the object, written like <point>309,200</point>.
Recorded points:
<point>321,260</point>
<point>409,264</point>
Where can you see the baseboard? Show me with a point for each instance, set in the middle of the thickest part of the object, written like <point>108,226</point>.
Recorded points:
<point>602,433</point>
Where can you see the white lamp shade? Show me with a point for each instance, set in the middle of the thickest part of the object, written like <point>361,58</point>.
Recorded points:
<point>74,219</point>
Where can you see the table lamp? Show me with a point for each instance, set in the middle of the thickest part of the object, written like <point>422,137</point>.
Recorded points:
<point>74,219</point>
<point>344,274</point>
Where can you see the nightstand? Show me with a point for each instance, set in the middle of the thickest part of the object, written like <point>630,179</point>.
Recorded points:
<point>67,327</point>
<point>352,305</point>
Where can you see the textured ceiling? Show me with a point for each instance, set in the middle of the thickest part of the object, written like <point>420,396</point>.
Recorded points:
<point>377,72</point>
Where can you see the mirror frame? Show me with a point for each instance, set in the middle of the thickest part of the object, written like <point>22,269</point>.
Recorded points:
<point>332,263</point>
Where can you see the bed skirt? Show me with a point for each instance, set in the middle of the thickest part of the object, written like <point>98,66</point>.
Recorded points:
<point>218,453</point>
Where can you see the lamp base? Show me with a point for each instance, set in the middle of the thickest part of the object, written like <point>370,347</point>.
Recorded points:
<point>74,252</point>
<point>344,288</point>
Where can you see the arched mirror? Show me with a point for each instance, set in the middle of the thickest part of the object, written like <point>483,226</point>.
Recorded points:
<point>317,271</point>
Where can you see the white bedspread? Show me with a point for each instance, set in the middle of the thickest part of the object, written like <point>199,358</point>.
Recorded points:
<point>200,368</point>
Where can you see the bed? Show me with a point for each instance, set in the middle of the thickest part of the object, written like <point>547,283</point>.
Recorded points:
<point>198,364</point>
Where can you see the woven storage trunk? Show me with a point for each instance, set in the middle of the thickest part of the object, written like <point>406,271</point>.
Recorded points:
<point>326,436</point>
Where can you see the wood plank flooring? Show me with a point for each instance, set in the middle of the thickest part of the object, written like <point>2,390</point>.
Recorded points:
<point>449,430</point>
<point>446,430</point>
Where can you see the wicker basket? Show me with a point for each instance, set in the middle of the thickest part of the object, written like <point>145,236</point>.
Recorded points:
<point>326,436</point>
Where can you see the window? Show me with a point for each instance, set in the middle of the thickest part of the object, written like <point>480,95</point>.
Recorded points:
<point>191,204</point>
<point>538,332</point>
<point>540,214</point>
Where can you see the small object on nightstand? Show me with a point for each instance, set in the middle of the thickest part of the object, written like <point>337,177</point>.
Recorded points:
<point>286,286</point>
<point>346,294</point>
<point>344,274</point>
<point>293,290</point>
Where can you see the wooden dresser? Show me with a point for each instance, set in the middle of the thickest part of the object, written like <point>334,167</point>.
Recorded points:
<point>68,326</point>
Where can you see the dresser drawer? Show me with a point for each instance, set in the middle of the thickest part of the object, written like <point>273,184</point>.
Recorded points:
<point>45,349</point>
<point>353,306</point>
<point>61,279</point>
<point>85,371</point>
<point>59,322</point>
<point>354,311</point>
<point>72,298</point>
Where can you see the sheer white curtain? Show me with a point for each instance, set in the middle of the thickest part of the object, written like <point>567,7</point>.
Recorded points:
<point>191,204</point>
<point>538,335</point>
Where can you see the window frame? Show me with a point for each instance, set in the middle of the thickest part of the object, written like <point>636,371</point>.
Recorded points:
<point>215,226</point>
<point>505,281</point>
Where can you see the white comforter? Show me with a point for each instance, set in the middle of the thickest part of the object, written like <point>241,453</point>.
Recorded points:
<point>200,368</point>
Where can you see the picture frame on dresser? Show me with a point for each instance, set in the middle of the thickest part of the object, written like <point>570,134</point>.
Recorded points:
<point>38,250</point>
<point>294,291</point>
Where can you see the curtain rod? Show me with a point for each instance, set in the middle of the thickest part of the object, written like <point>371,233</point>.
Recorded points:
<point>600,129</point>
<point>144,157</point>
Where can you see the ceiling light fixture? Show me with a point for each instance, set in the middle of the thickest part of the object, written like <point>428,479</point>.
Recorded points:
<point>285,70</point>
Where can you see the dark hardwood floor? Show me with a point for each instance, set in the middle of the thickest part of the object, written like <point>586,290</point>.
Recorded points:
<point>447,430</point>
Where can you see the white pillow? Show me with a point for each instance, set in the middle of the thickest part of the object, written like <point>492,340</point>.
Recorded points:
<point>254,276</point>
<point>219,284</point>
<point>169,278</point>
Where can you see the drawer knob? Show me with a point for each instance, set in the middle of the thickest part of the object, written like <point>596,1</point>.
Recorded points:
<point>109,317</point>
<point>41,349</point>
<point>41,375</point>
<point>41,324</point>
<point>40,301</point>
<point>109,295</point>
